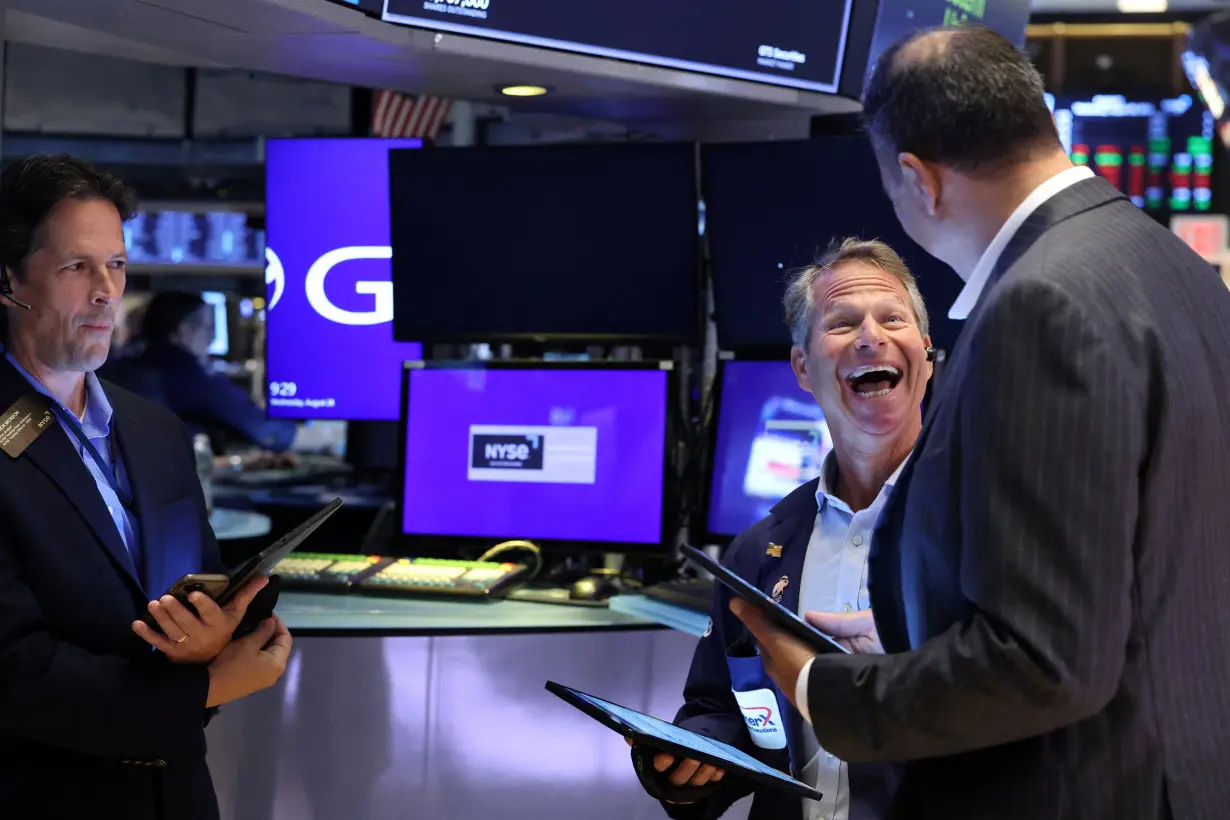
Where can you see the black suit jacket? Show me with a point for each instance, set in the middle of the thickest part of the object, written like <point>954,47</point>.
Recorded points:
<point>91,718</point>
<point>1050,572</point>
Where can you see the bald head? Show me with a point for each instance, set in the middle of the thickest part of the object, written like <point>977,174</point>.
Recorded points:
<point>964,98</point>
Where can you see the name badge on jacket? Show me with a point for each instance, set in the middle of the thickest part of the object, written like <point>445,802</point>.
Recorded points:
<point>761,714</point>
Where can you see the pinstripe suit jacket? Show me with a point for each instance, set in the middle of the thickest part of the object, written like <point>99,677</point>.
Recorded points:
<point>1050,574</point>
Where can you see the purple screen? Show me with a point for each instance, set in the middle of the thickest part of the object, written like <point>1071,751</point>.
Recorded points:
<point>771,437</point>
<point>563,454</point>
<point>330,352</point>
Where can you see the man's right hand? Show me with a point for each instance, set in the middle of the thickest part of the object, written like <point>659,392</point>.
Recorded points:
<point>249,664</point>
<point>688,773</point>
<point>855,631</point>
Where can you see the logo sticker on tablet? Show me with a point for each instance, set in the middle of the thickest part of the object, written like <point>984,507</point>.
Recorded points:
<point>760,713</point>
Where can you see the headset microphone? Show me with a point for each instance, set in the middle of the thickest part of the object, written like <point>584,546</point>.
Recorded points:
<point>6,290</point>
<point>930,352</point>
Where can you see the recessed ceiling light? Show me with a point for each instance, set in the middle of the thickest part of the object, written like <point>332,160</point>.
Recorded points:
<point>523,90</point>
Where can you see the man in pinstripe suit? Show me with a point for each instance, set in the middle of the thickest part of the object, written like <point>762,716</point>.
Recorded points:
<point>1048,579</point>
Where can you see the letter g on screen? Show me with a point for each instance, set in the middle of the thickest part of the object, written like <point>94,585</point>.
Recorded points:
<point>314,285</point>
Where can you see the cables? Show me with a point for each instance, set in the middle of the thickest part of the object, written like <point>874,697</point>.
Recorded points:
<point>508,546</point>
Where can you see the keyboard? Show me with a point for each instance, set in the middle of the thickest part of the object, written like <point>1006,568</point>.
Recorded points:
<point>324,572</point>
<point>695,594</point>
<point>440,576</point>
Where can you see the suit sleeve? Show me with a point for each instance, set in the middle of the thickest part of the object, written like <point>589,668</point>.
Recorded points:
<point>57,694</point>
<point>1051,440</point>
<point>710,708</point>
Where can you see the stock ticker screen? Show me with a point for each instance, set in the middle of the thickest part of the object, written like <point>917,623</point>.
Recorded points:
<point>898,18</point>
<point>797,43</point>
<point>177,237</point>
<point>566,453</point>
<point>1159,153</point>
<point>330,352</point>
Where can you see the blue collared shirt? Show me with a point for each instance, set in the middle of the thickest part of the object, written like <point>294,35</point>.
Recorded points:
<point>96,422</point>
<point>835,580</point>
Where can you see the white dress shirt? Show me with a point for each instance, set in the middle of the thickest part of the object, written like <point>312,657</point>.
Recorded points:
<point>835,580</point>
<point>986,263</point>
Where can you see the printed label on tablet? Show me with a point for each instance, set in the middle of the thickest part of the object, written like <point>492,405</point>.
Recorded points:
<point>761,714</point>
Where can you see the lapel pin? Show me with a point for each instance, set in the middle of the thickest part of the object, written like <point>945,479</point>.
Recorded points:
<point>779,588</point>
<point>773,550</point>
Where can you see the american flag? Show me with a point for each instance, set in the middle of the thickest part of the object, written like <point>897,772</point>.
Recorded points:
<point>397,115</point>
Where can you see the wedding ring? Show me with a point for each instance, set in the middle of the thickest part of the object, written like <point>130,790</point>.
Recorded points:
<point>181,640</point>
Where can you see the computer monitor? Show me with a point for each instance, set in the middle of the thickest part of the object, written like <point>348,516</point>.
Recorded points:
<point>769,437</point>
<point>1157,152</point>
<point>774,207</point>
<point>220,344</point>
<point>593,242</point>
<point>329,344</point>
<point>570,455</point>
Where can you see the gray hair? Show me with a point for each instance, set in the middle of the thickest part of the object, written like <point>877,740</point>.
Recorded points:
<point>800,299</point>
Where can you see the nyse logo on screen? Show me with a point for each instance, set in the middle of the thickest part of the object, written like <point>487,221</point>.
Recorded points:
<point>543,454</point>
<point>503,452</point>
<point>381,290</point>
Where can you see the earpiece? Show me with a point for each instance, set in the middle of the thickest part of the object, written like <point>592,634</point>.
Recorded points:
<point>930,354</point>
<point>6,290</point>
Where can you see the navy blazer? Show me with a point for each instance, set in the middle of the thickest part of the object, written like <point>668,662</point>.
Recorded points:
<point>1049,575</point>
<point>92,719</point>
<point>710,707</point>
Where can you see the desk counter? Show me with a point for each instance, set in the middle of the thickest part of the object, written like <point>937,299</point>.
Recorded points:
<point>322,614</point>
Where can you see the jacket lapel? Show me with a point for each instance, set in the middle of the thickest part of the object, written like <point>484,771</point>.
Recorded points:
<point>794,519</point>
<point>53,454</point>
<point>127,439</point>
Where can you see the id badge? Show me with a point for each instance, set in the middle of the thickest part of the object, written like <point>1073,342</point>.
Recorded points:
<point>757,702</point>
<point>763,718</point>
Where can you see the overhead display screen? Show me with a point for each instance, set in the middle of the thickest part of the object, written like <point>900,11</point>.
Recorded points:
<point>899,18</point>
<point>201,237</point>
<point>1159,153</point>
<point>797,43</point>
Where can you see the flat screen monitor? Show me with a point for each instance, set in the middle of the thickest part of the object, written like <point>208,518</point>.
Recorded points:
<point>173,235</point>
<point>795,43</point>
<point>567,454</point>
<point>220,344</point>
<point>896,19</point>
<point>330,352</point>
<point>583,242</point>
<point>770,436</point>
<point>774,207</point>
<point>1158,152</point>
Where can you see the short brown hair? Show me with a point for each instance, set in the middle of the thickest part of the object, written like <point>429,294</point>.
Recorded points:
<point>800,299</point>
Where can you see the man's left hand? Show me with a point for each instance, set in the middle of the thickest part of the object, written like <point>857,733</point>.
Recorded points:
<point>783,655</point>
<point>189,638</point>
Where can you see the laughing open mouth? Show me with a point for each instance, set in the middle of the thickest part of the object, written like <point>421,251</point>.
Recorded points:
<point>874,380</point>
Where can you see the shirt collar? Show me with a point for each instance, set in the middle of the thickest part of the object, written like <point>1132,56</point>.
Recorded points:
<point>982,271</point>
<point>828,478</point>
<point>97,419</point>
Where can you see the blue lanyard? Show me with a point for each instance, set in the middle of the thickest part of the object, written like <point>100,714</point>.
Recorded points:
<point>109,472</point>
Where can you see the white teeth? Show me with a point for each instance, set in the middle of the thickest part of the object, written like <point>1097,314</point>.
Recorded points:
<point>874,368</point>
<point>877,394</point>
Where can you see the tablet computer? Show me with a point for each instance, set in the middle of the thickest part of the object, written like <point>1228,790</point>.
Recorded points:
<point>658,734</point>
<point>777,614</point>
<point>266,559</point>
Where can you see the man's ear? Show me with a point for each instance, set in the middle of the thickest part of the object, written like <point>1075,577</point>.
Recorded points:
<point>798,363</point>
<point>921,181</point>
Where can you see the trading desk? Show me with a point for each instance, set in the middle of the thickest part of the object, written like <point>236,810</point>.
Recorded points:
<point>429,708</point>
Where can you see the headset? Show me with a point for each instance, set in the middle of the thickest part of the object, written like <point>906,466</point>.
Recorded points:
<point>6,290</point>
<point>930,350</point>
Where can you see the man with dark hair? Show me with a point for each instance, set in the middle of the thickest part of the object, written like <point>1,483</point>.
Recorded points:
<point>1047,579</point>
<point>102,510</point>
<point>167,364</point>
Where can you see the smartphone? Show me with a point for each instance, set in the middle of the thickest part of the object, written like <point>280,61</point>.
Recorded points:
<point>209,583</point>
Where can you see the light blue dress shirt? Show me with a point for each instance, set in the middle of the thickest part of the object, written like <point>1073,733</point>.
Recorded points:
<point>835,580</point>
<point>96,422</point>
